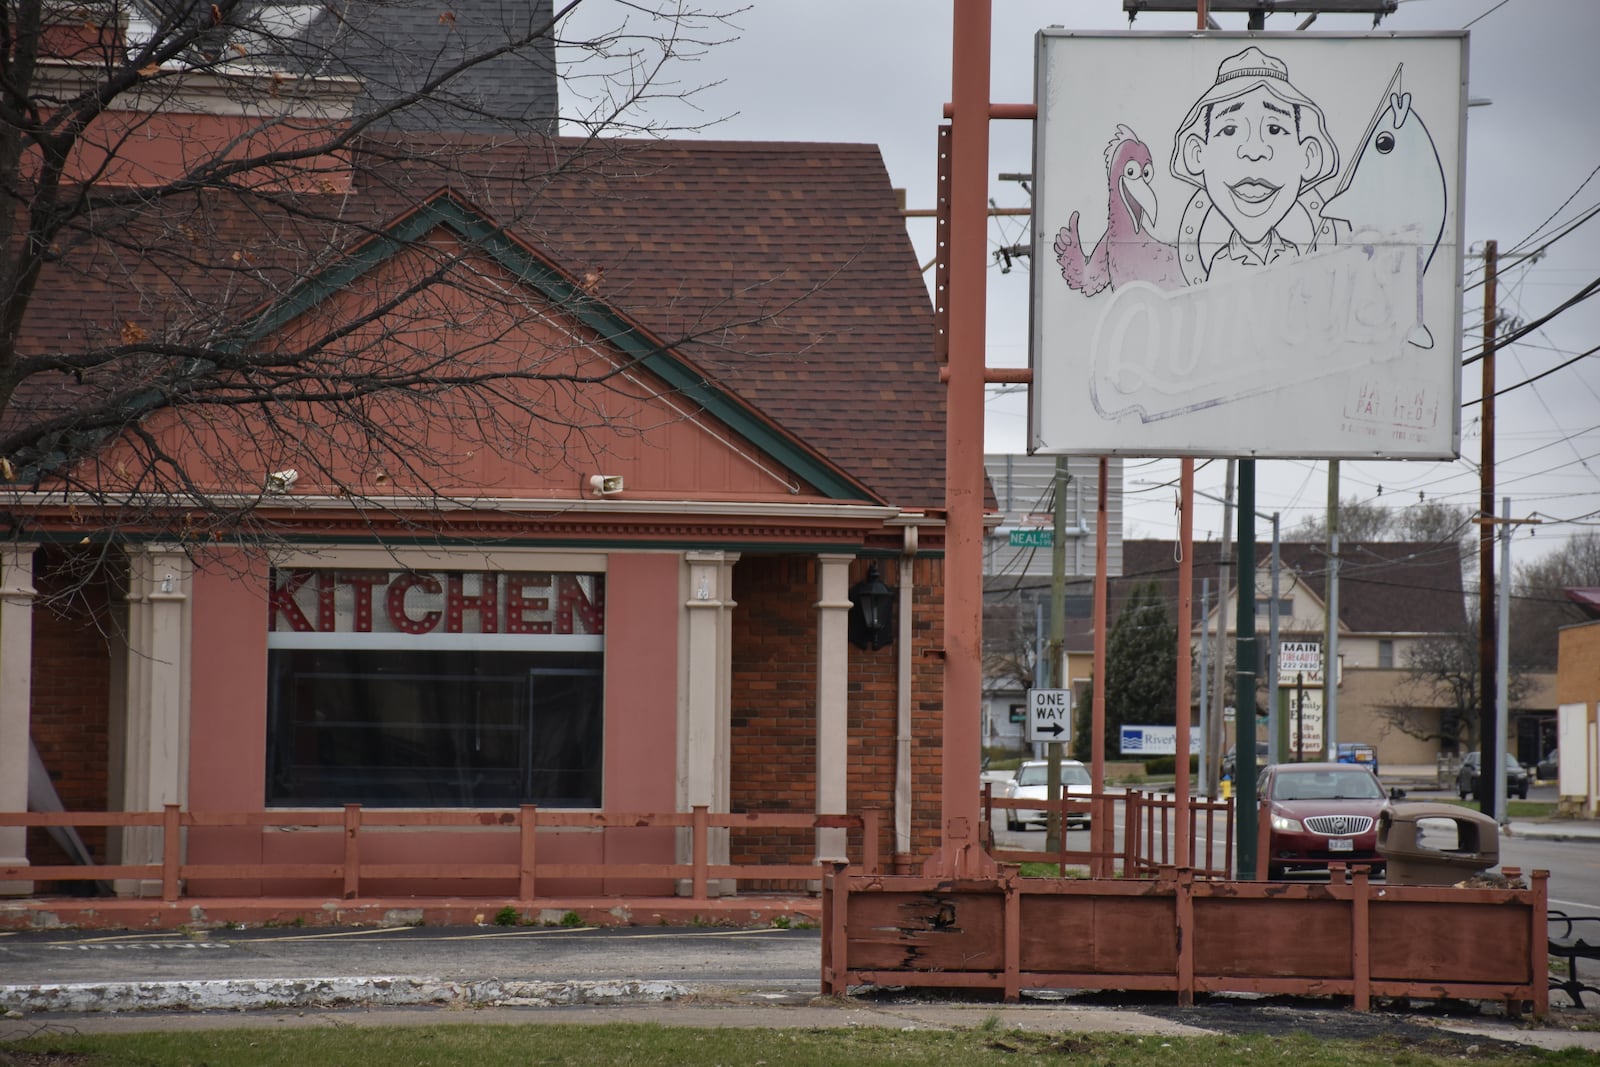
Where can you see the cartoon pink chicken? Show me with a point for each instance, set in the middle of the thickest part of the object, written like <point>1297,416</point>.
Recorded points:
<point>1128,251</point>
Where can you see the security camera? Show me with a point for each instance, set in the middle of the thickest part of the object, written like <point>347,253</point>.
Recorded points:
<point>282,481</point>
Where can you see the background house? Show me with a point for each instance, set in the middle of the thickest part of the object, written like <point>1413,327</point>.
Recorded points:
<point>1396,599</point>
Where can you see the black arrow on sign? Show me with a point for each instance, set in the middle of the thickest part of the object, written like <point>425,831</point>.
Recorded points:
<point>1053,728</point>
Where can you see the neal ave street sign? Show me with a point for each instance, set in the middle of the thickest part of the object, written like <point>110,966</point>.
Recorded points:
<point>1033,538</point>
<point>1050,715</point>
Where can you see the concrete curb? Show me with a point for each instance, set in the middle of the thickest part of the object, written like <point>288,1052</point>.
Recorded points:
<point>1546,832</point>
<point>249,994</point>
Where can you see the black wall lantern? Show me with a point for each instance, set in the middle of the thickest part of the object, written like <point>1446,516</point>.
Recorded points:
<point>871,611</point>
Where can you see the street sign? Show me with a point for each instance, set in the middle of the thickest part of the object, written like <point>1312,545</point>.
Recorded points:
<point>1050,715</point>
<point>1031,538</point>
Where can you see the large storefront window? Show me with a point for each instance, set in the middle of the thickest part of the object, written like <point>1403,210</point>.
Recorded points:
<point>435,689</point>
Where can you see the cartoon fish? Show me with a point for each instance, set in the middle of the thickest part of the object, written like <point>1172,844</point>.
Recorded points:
<point>1128,252</point>
<point>1396,185</point>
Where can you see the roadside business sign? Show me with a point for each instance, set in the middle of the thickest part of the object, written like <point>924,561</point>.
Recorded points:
<point>1155,740</point>
<point>1302,658</point>
<point>1050,715</point>
<point>1248,245</point>
<point>1304,722</point>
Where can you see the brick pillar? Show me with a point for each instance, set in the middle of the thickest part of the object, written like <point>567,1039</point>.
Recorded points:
<point>16,681</point>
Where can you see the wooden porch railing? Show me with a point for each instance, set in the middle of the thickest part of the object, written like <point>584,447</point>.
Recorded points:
<point>1149,842</point>
<point>528,870</point>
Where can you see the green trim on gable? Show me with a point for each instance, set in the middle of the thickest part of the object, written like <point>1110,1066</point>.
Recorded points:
<point>448,211</point>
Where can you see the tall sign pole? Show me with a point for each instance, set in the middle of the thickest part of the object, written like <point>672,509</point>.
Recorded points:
<point>1100,864</point>
<point>1490,742</point>
<point>960,851</point>
<point>1330,633</point>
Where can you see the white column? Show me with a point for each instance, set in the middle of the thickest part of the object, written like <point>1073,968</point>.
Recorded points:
<point>16,683</point>
<point>705,746</point>
<point>724,730</point>
<point>155,743</point>
<point>833,719</point>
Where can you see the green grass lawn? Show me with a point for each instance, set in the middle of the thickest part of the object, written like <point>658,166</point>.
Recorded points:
<point>1515,809</point>
<point>647,1044</point>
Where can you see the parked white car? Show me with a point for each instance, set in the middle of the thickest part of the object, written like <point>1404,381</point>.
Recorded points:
<point>1028,783</point>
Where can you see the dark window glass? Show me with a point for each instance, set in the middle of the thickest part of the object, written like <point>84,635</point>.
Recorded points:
<point>434,728</point>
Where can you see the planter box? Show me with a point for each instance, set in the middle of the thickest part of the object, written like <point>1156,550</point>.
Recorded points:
<point>1348,937</point>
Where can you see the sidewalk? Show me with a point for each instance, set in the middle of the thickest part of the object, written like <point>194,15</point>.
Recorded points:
<point>708,978</point>
<point>1554,830</point>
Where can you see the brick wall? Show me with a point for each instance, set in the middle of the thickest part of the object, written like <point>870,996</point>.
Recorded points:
<point>1578,676</point>
<point>774,729</point>
<point>73,634</point>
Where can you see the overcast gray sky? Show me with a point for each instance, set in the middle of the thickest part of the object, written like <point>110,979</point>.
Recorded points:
<point>879,71</point>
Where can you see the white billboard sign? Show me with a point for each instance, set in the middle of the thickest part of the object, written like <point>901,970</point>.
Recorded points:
<point>1248,245</point>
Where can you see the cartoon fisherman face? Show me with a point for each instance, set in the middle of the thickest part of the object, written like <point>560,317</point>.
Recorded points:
<point>1254,143</point>
<point>1252,161</point>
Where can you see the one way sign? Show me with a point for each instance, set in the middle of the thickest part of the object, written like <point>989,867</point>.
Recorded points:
<point>1050,715</point>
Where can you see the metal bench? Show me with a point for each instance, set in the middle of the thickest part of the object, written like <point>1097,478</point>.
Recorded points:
<point>1574,937</point>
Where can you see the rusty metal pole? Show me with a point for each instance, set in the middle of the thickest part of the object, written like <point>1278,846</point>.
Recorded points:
<point>961,852</point>
<point>1180,787</point>
<point>1489,744</point>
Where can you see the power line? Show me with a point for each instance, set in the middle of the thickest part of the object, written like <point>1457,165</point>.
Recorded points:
<point>1526,328</point>
<point>1536,377</point>
<point>1486,14</point>
<point>1556,212</point>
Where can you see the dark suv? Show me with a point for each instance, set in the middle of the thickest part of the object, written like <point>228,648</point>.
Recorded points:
<point>1230,759</point>
<point>1467,777</point>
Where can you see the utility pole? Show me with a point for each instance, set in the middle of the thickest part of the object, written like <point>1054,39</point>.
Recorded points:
<point>1502,700</point>
<point>1219,656</point>
<point>1489,744</point>
<point>1058,656</point>
<point>1244,701</point>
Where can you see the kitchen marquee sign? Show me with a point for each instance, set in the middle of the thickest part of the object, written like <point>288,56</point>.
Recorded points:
<point>428,602</point>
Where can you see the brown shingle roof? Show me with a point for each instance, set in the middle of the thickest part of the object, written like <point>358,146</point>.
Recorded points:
<point>787,264</point>
<point>1384,586</point>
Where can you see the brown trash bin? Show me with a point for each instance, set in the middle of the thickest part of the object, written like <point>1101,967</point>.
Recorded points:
<point>1408,861</point>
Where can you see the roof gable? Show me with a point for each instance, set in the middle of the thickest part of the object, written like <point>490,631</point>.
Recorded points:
<point>587,391</point>
<point>781,273</point>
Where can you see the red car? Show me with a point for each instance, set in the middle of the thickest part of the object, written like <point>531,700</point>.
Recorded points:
<point>1320,812</point>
